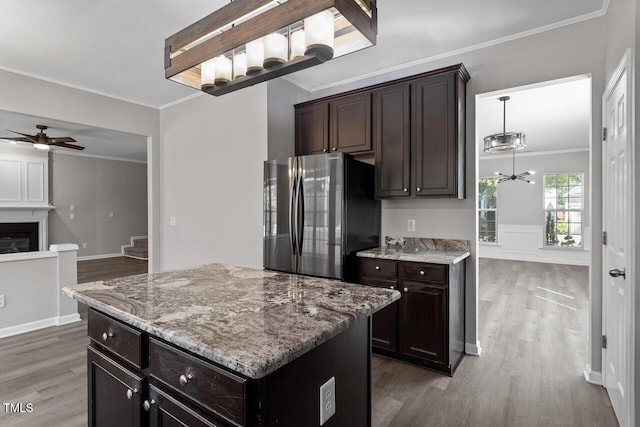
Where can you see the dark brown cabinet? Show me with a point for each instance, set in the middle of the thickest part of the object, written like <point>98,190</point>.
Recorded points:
<point>341,124</point>
<point>415,126</point>
<point>426,327</point>
<point>312,129</point>
<point>165,411</point>
<point>114,393</point>
<point>392,140</point>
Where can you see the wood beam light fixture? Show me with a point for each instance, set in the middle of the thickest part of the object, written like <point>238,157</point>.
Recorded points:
<point>251,41</point>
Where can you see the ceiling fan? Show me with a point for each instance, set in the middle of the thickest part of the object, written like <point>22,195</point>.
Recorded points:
<point>42,141</point>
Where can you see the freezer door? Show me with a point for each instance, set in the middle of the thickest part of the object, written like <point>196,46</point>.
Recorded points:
<point>278,216</point>
<point>321,203</point>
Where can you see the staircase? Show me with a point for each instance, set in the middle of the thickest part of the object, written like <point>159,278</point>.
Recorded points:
<point>139,248</point>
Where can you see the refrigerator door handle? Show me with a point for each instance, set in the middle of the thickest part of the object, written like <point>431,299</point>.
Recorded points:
<point>292,208</point>
<point>300,212</point>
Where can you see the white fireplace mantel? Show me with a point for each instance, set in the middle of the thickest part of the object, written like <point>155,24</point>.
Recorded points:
<point>30,214</point>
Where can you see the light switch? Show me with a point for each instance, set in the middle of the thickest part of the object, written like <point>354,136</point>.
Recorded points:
<point>72,216</point>
<point>172,221</point>
<point>110,214</point>
<point>72,207</point>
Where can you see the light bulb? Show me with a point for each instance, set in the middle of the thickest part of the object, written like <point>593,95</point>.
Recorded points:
<point>239,65</point>
<point>297,44</point>
<point>223,70</point>
<point>41,146</point>
<point>255,57</point>
<point>497,173</point>
<point>319,33</point>
<point>275,50</point>
<point>532,182</point>
<point>13,142</point>
<point>532,172</point>
<point>207,73</point>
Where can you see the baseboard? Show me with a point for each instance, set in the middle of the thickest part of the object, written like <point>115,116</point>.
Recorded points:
<point>473,349</point>
<point>69,318</point>
<point>592,377</point>
<point>28,327</point>
<point>92,257</point>
<point>135,257</point>
<point>38,324</point>
<point>532,258</point>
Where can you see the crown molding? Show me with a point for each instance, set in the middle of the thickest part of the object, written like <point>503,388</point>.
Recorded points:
<point>181,100</point>
<point>96,156</point>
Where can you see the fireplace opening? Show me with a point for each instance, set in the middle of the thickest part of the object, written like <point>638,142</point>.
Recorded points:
<point>18,237</point>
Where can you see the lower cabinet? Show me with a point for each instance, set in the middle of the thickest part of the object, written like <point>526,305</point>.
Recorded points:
<point>165,411</point>
<point>426,326</point>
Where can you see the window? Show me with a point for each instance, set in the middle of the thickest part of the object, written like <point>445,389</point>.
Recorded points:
<point>487,210</point>
<point>563,209</point>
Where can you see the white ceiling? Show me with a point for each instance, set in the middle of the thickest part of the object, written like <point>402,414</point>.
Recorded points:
<point>97,141</point>
<point>553,117</point>
<point>116,48</point>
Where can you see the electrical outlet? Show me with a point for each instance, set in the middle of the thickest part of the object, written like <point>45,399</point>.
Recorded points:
<point>172,221</point>
<point>411,225</point>
<point>72,216</point>
<point>84,246</point>
<point>110,214</point>
<point>72,207</point>
<point>2,301</point>
<point>327,400</point>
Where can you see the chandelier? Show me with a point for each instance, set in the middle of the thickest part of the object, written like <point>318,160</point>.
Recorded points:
<point>505,141</point>
<point>250,41</point>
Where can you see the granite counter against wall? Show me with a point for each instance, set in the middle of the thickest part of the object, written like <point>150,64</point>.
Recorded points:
<point>418,249</point>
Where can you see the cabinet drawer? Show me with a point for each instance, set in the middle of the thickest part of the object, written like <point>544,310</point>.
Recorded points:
<point>424,272</point>
<point>117,337</point>
<point>211,387</point>
<point>378,268</point>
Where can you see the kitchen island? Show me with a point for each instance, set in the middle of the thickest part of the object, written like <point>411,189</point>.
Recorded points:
<point>220,345</point>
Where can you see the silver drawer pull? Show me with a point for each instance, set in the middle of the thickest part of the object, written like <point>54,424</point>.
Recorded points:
<point>421,273</point>
<point>406,289</point>
<point>147,404</point>
<point>406,190</point>
<point>186,379</point>
<point>107,335</point>
<point>392,287</point>
<point>131,392</point>
<point>377,267</point>
<point>419,189</point>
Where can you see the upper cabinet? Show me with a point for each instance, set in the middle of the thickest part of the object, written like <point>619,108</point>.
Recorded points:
<point>23,180</point>
<point>341,124</point>
<point>415,126</point>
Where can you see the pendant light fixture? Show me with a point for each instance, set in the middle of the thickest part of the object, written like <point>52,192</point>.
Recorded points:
<point>269,38</point>
<point>505,141</point>
<point>521,176</point>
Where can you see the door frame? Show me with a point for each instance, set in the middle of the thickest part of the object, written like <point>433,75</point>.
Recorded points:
<point>626,64</point>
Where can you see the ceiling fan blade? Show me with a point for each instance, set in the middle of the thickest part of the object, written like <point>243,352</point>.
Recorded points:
<point>64,145</point>
<point>14,138</point>
<point>32,138</point>
<point>63,139</point>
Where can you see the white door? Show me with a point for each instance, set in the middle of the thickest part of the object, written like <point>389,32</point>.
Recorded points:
<point>617,224</point>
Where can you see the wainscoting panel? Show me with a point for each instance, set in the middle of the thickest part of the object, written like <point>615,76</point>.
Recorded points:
<point>525,243</point>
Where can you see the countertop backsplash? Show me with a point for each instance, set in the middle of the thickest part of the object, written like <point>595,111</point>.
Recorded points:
<point>409,244</point>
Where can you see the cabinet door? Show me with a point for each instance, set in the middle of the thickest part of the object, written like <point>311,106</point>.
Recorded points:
<point>384,333</point>
<point>166,411</point>
<point>392,140</point>
<point>114,393</point>
<point>423,321</point>
<point>435,137</point>
<point>351,123</point>
<point>312,129</point>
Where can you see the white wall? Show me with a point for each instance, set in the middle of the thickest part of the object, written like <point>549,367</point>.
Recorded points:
<point>27,95</point>
<point>212,154</point>
<point>521,219</point>
<point>568,51</point>
<point>281,97</point>
<point>95,187</point>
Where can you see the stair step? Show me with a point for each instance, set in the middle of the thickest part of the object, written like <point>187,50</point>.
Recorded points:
<point>141,243</point>
<point>137,252</point>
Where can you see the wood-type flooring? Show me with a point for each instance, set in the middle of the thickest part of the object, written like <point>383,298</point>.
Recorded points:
<point>533,331</point>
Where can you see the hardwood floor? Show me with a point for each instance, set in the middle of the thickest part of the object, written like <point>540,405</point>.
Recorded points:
<point>533,325</point>
<point>530,372</point>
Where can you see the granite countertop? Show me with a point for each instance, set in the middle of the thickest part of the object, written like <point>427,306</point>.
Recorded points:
<point>435,251</point>
<point>251,321</point>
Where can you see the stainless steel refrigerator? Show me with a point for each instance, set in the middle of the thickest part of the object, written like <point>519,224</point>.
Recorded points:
<point>319,210</point>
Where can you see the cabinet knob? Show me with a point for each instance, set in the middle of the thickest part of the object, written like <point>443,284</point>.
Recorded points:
<point>335,148</point>
<point>324,150</point>
<point>406,289</point>
<point>406,190</point>
<point>377,267</point>
<point>186,379</point>
<point>392,287</point>
<point>418,189</point>
<point>131,392</point>
<point>147,404</point>
<point>421,273</point>
<point>107,335</point>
